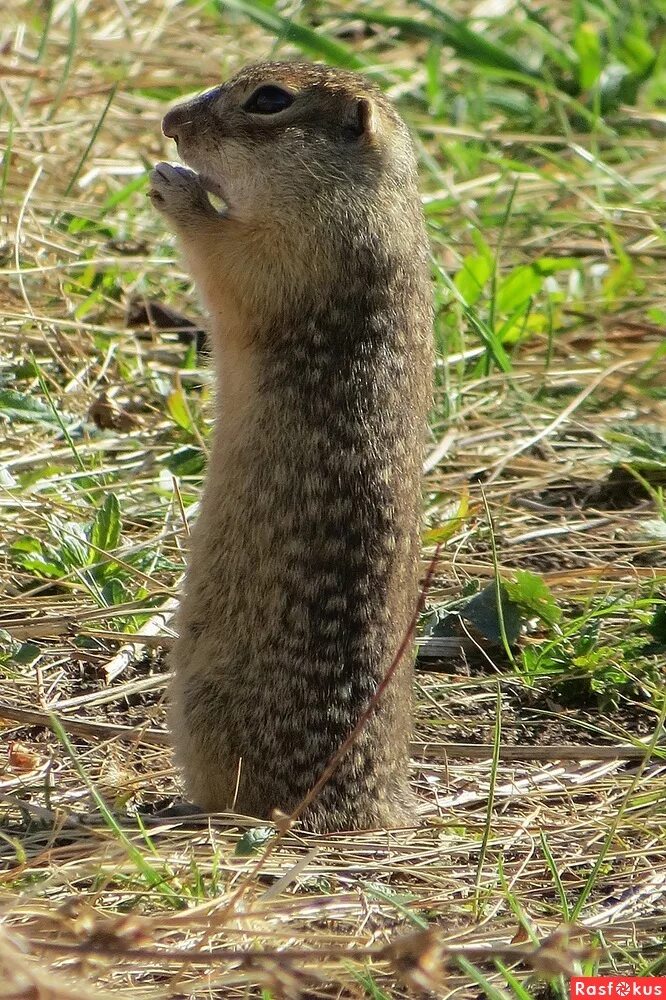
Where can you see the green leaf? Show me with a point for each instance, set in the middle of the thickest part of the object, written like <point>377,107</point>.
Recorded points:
<point>637,53</point>
<point>450,520</point>
<point>657,625</point>
<point>27,653</point>
<point>530,593</point>
<point>551,265</point>
<point>29,555</point>
<point>179,410</point>
<point>105,530</point>
<point>617,85</point>
<point>642,448</point>
<point>26,544</point>
<point>481,612</point>
<point>588,49</point>
<point>481,616</point>
<point>41,474</point>
<point>26,409</point>
<point>186,461</point>
<point>26,368</point>
<point>514,291</point>
<point>472,277</point>
<point>253,840</point>
<point>73,551</point>
<point>115,592</point>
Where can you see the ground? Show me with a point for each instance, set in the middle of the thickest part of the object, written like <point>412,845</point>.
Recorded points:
<point>539,756</point>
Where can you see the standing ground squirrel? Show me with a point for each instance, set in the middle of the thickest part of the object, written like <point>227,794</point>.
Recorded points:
<point>302,579</point>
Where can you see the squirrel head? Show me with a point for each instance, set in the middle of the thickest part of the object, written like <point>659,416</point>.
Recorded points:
<point>297,134</point>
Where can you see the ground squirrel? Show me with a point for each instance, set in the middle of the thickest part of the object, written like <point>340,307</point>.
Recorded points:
<point>302,578</point>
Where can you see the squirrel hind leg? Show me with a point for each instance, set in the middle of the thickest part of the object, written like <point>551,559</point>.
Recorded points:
<point>208,776</point>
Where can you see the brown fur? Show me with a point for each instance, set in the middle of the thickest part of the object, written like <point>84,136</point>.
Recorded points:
<point>303,573</point>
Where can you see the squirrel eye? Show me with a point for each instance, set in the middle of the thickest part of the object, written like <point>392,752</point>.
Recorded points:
<point>268,101</point>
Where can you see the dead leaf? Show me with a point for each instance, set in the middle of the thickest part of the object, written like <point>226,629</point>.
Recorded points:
<point>22,758</point>
<point>107,415</point>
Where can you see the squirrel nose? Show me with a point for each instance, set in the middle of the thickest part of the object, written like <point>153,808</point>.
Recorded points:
<point>176,122</point>
<point>173,122</point>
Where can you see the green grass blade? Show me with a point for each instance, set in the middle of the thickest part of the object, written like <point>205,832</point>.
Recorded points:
<point>467,43</point>
<point>286,30</point>
<point>154,878</point>
<point>519,990</point>
<point>610,836</point>
<point>491,991</point>
<point>6,158</point>
<point>552,867</point>
<point>100,121</point>
<point>71,53</point>
<point>494,769</point>
<point>56,413</point>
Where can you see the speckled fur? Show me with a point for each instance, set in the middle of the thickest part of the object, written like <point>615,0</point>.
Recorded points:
<point>302,577</point>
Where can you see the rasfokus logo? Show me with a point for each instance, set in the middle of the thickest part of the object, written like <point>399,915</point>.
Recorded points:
<point>618,987</point>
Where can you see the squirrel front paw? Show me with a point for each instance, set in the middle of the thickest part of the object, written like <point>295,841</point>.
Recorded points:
<point>178,193</point>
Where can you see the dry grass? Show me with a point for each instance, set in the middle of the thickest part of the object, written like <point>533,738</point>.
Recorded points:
<point>539,401</point>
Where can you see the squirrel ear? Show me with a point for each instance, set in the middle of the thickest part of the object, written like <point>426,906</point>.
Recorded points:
<point>361,120</point>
